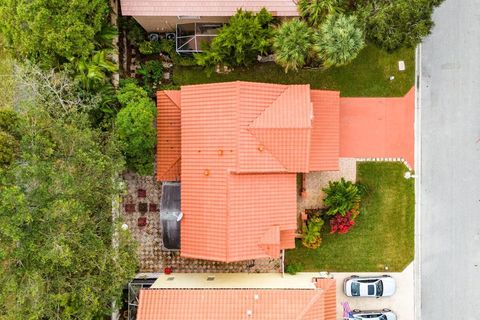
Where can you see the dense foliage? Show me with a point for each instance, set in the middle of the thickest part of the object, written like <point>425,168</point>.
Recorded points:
<point>341,196</point>
<point>402,23</point>
<point>239,42</point>
<point>292,44</point>
<point>316,11</point>
<point>152,74</point>
<point>340,40</point>
<point>51,32</point>
<point>9,136</point>
<point>134,124</point>
<point>57,259</point>
<point>293,268</point>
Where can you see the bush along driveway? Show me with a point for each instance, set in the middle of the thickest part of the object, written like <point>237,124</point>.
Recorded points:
<point>383,235</point>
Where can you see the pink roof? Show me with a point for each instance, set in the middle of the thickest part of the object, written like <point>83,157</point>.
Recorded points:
<point>221,304</point>
<point>215,8</point>
<point>242,144</point>
<point>378,127</point>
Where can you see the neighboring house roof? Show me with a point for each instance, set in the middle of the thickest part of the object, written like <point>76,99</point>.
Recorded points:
<point>317,303</point>
<point>219,8</point>
<point>378,127</point>
<point>241,145</point>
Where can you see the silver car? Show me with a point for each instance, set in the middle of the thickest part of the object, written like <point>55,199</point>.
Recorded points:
<point>384,314</point>
<point>381,286</point>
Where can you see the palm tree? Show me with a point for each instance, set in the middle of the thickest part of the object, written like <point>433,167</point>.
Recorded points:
<point>92,72</point>
<point>339,40</point>
<point>292,44</point>
<point>315,11</point>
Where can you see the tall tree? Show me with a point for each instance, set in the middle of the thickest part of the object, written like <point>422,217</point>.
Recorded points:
<point>401,23</point>
<point>316,11</point>
<point>292,44</point>
<point>339,40</point>
<point>50,32</point>
<point>134,124</point>
<point>57,259</point>
<point>240,41</point>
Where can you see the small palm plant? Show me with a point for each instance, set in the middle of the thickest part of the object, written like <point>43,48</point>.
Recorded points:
<point>339,40</point>
<point>92,72</point>
<point>341,197</point>
<point>315,11</point>
<point>292,44</point>
<point>312,237</point>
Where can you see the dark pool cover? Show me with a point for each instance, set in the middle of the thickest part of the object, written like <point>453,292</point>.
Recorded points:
<point>169,215</point>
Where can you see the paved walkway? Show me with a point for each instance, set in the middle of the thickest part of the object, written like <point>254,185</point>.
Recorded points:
<point>378,127</point>
<point>402,302</point>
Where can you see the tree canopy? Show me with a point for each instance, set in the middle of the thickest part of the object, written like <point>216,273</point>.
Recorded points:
<point>402,23</point>
<point>134,125</point>
<point>240,41</point>
<point>339,40</point>
<point>50,32</point>
<point>316,11</point>
<point>292,44</point>
<point>57,258</point>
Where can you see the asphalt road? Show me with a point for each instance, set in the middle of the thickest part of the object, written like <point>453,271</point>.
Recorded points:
<point>450,164</point>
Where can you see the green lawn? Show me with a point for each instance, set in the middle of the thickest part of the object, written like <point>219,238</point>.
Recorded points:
<point>366,76</point>
<point>384,231</point>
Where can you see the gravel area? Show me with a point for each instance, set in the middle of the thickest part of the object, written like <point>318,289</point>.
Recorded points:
<point>146,192</point>
<point>316,181</point>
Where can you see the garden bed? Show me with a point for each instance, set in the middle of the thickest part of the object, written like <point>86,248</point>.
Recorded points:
<point>383,235</point>
<point>368,75</point>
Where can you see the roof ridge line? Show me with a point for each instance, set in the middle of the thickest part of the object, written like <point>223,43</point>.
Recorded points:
<point>170,98</point>
<point>312,301</point>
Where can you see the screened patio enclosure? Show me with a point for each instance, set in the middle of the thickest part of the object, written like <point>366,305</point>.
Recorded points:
<point>191,37</point>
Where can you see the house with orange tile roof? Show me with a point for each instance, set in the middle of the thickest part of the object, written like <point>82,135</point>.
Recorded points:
<point>164,15</point>
<point>238,296</point>
<point>236,148</point>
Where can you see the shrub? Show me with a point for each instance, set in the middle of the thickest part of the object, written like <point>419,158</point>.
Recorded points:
<point>134,124</point>
<point>135,33</point>
<point>341,224</point>
<point>292,44</point>
<point>341,196</point>
<point>401,23</point>
<point>315,11</point>
<point>339,40</point>
<point>9,121</point>
<point>150,47</point>
<point>8,147</point>
<point>293,268</point>
<point>152,72</point>
<point>240,41</point>
<point>312,237</point>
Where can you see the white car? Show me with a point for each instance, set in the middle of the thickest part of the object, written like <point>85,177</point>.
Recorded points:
<point>384,314</point>
<point>381,286</point>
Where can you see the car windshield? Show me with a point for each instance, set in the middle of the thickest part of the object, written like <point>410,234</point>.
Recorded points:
<point>379,288</point>
<point>355,289</point>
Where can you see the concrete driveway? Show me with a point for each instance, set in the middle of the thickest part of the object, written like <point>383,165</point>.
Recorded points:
<point>402,302</point>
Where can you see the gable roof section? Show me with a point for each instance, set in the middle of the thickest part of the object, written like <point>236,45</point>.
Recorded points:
<point>168,135</point>
<point>325,138</point>
<point>218,8</point>
<point>220,304</point>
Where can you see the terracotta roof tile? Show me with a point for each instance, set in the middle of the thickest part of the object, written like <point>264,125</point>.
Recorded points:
<point>221,304</point>
<point>220,8</point>
<point>325,138</point>
<point>168,132</point>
